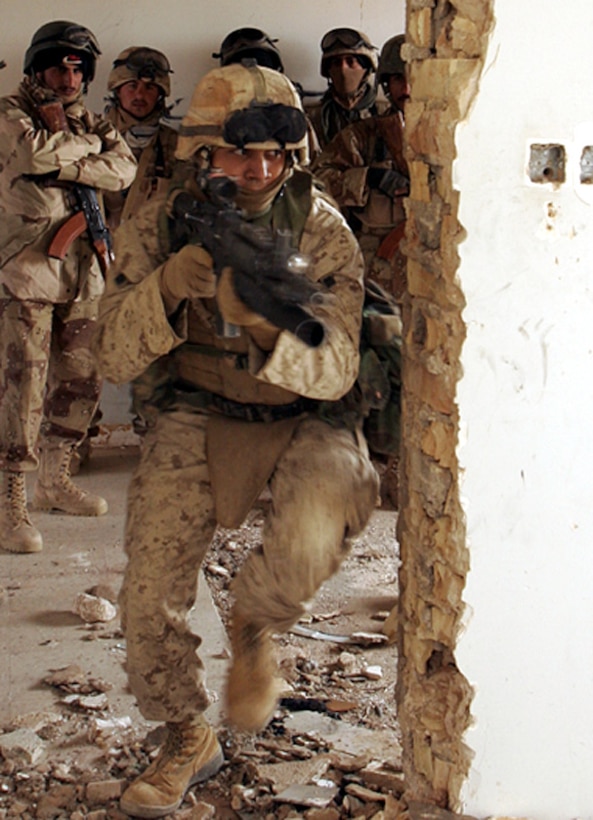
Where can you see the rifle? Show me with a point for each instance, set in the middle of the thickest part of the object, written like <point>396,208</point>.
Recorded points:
<point>268,272</point>
<point>87,211</point>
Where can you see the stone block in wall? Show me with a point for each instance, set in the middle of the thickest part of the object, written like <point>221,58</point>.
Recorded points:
<point>429,388</point>
<point>419,28</point>
<point>419,185</point>
<point>438,441</point>
<point>453,80</point>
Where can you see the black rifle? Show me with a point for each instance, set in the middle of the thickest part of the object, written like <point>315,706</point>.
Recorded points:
<point>268,273</point>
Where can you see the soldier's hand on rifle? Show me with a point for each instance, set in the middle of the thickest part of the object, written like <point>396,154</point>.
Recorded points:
<point>389,182</point>
<point>236,312</point>
<point>188,274</point>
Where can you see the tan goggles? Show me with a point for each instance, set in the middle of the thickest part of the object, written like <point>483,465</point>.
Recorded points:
<point>345,37</point>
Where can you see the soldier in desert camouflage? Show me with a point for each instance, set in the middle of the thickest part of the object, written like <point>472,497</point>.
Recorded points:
<point>48,306</point>
<point>234,414</point>
<point>348,62</point>
<point>365,171</point>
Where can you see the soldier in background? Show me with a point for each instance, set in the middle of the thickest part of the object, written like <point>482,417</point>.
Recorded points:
<point>364,169</point>
<point>139,83</point>
<point>348,61</point>
<point>254,44</point>
<point>49,142</point>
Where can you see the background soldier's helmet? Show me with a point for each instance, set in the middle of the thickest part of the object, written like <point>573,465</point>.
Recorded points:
<point>66,38</point>
<point>244,106</point>
<point>340,41</point>
<point>390,61</point>
<point>249,43</point>
<point>141,63</point>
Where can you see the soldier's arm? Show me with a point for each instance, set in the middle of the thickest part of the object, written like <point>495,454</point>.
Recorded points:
<point>327,371</point>
<point>343,165</point>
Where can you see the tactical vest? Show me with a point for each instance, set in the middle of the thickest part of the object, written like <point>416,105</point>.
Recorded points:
<point>210,371</point>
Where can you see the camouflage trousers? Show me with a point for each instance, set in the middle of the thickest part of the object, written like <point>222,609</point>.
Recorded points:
<point>50,385</point>
<point>324,489</point>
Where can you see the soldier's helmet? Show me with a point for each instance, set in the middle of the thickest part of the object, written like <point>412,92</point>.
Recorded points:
<point>67,39</point>
<point>141,63</point>
<point>341,41</point>
<point>390,61</point>
<point>244,105</point>
<point>250,43</point>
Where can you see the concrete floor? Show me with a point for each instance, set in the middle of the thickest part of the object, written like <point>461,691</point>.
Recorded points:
<point>39,631</point>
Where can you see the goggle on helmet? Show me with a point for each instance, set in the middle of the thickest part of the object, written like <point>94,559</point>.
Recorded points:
<point>244,106</point>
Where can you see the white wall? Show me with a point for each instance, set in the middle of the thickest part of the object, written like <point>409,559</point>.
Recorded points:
<point>526,405</point>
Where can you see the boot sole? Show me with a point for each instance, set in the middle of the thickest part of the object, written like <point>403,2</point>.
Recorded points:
<point>149,812</point>
<point>41,507</point>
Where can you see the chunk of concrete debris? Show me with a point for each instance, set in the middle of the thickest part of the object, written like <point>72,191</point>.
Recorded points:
<point>382,776</point>
<point>104,790</point>
<point>307,795</point>
<point>91,703</point>
<point>282,775</point>
<point>93,610</point>
<point>22,746</point>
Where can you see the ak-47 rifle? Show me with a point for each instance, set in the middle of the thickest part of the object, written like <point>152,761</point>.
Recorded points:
<point>87,214</point>
<point>268,273</point>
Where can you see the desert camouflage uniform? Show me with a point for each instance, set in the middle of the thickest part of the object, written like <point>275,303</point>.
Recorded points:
<point>47,306</point>
<point>200,467</point>
<point>155,159</point>
<point>343,167</point>
<point>328,117</point>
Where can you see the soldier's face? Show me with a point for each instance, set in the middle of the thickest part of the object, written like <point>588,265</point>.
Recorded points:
<point>253,169</point>
<point>398,90</point>
<point>66,81</point>
<point>138,98</point>
<point>346,74</point>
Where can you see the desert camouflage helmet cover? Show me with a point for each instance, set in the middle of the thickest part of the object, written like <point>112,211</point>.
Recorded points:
<point>63,35</point>
<point>141,62</point>
<point>390,61</point>
<point>340,41</point>
<point>247,106</point>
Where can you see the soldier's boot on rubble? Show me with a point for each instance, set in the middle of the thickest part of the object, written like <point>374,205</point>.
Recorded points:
<point>190,755</point>
<point>56,491</point>
<point>253,687</point>
<point>17,533</point>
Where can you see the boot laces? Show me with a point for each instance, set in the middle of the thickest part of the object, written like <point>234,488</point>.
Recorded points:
<point>17,498</point>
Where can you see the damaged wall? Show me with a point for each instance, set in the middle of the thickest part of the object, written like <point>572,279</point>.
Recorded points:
<point>446,43</point>
<point>524,404</point>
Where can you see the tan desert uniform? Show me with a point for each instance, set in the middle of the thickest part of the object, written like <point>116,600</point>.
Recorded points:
<point>45,300</point>
<point>328,117</point>
<point>200,467</point>
<point>376,218</point>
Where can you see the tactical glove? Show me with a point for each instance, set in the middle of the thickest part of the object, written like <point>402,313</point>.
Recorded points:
<point>188,274</point>
<point>389,182</point>
<point>236,312</point>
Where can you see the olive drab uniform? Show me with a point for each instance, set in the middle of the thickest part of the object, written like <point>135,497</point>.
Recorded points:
<point>200,466</point>
<point>376,216</point>
<point>43,300</point>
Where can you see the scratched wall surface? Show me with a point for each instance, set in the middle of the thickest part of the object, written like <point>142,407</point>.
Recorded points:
<point>446,43</point>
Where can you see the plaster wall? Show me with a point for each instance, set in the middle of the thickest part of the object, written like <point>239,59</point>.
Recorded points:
<point>188,31</point>
<point>524,402</point>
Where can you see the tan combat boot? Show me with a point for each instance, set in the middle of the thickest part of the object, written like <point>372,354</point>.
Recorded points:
<point>253,688</point>
<point>55,489</point>
<point>190,755</point>
<point>17,533</point>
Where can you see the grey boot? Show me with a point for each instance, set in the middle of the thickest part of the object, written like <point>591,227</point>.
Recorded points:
<point>55,489</point>
<point>17,533</point>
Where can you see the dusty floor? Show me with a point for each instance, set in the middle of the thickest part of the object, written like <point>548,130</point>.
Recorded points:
<point>71,735</point>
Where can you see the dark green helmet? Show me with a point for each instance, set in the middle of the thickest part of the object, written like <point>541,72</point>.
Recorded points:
<point>62,36</point>
<point>390,61</point>
<point>249,43</point>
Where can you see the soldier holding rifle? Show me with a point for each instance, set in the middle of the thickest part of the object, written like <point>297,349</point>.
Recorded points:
<point>55,156</point>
